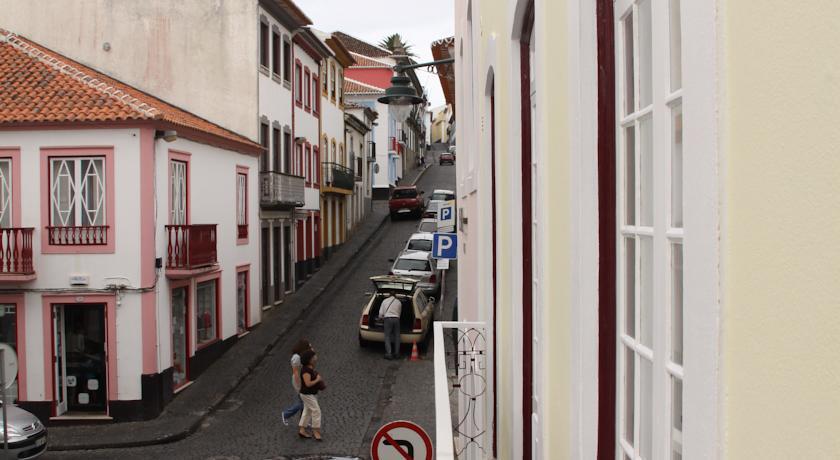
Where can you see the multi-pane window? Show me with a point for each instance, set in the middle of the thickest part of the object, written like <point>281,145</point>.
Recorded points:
<point>316,99</point>
<point>340,87</point>
<point>275,149</point>
<point>205,311</point>
<point>264,44</point>
<point>5,192</point>
<point>298,84</point>
<point>287,148</point>
<point>307,80</point>
<point>287,60</point>
<point>332,81</point>
<point>275,50</point>
<point>178,192</point>
<point>650,235</point>
<point>264,159</point>
<point>324,80</point>
<point>316,165</point>
<point>242,205</point>
<point>77,192</point>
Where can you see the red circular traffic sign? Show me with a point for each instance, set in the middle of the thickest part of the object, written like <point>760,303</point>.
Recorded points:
<point>401,440</point>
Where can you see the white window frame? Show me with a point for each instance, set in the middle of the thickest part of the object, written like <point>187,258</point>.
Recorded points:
<point>6,190</point>
<point>78,208</point>
<point>651,340</point>
<point>178,183</point>
<point>241,199</point>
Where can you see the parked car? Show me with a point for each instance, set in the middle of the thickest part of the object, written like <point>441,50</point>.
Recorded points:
<point>438,198</point>
<point>406,200</point>
<point>27,435</point>
<point>421,267</point>
<point>446,157</point>
<point>419,242</point>
<point>427,226</point>
<point>418,312</point>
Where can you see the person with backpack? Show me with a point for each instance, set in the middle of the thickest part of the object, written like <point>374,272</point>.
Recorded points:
<point>311,383</point>
<point>301,346</point>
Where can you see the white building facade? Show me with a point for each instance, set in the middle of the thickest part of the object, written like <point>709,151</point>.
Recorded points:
<point>125,282</point>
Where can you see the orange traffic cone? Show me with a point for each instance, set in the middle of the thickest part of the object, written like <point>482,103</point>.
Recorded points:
<point>415,355</point>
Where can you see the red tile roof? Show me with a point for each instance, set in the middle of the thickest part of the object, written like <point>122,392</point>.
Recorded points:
<point>364,61</point>
<point>357,87</point>
<point>442,49</point>
<point>361,47</point>
<point>39,86</point>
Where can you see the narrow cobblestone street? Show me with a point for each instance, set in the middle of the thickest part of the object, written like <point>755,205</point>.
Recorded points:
<point>364,391</point>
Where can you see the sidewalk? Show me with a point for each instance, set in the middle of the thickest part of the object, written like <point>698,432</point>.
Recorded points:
<point>184,415</point>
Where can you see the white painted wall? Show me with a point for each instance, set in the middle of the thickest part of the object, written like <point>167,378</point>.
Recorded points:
<point>307,124</point>
<point>212,191</point>
<point>157,46</point>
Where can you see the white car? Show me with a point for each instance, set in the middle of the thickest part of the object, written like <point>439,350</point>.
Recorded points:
<point>427,226</point>
<point>418,312</point>
<point>418,266</point>
<point>436,200</point>
<point>419,242</point>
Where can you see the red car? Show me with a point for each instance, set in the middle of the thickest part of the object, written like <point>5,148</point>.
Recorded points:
<point>405,201</point>
<point>446,157</point>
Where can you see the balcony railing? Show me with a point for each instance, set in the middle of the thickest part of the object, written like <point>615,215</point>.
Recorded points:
<point>462,420</point>
<point>281,190</point>
<point>338,176</point>
<point>16,251</point>
<point>190,246</point>
<point>78,236</point>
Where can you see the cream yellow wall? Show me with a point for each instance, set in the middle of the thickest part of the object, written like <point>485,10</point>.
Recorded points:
<point>781,223</point>
<point>553,150</point>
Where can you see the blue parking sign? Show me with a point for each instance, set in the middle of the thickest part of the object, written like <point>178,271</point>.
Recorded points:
<point>445,246</point>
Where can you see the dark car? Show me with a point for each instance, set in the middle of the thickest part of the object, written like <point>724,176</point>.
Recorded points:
<point>446,158</point>
<point>406,201</point>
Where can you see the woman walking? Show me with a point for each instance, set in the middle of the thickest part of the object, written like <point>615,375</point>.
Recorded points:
<point>301,346</point>
<point>311,384</point>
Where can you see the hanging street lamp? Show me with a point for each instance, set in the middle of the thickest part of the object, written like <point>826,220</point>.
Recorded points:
<point>401,96</point>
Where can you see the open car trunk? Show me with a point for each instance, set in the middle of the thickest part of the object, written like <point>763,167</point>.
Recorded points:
<point>406,316</point>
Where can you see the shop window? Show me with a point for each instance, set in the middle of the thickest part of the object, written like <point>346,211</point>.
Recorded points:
<point>241,302</point>
<point>205,311</point>
<point>8,336</point>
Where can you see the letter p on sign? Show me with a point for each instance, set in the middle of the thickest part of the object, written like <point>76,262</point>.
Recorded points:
<point>445,246</point>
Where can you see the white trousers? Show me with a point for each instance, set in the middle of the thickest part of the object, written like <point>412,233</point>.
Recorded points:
<point>311,412</point>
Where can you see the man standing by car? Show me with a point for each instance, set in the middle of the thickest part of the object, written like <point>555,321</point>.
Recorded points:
<point>391,310</point>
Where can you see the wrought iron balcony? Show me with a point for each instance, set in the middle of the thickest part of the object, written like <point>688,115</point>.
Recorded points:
<point>16,253</point>
<point>338,177</point>
<point>463,417</point>
<point>190,248</point>
<point>281,190</point>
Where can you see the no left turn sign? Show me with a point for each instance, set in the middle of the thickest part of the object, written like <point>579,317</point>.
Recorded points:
<point>401,440</point>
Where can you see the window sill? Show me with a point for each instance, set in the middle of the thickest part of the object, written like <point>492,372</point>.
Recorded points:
<point>241,241</point>
<point>287,84</point>
<point>264,70</point>
<point>298,104</point>
<point>199,347</point>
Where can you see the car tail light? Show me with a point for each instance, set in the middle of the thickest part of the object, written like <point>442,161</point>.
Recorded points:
<point>365,320</point>
<point>418,325</point>
<point>433,279</point>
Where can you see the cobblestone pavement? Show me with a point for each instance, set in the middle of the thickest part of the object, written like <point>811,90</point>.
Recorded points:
<point>364,391</point>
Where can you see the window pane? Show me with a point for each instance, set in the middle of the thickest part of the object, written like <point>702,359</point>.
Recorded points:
<point>646,409</point>
<point>241,301</point>
<point>629,176</point>
<point>646,172</point>
<point>205,324</point>
<point>8,336</point>
<point>676,419</point>
<point>630,286</point>
<point>646,291</point>
<point>5,193</point>
<point>676,167</point>
<point>676,46</point>
<point>629,73</point>
<point>645,52</point>
<point>677,303</point>
<point>629,394</point>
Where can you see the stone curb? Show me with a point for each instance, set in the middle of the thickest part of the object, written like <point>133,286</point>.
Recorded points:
<point>258,358</point>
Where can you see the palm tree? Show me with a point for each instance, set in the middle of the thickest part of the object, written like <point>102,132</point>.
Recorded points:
<point>395,44</point>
